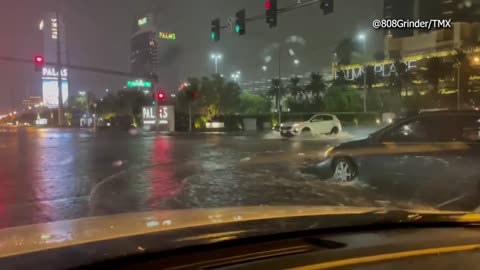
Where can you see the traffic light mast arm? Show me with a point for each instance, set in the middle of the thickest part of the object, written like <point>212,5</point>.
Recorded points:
<point>283,10</point>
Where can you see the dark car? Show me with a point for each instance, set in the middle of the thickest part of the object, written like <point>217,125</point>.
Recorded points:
<point>429,150</point>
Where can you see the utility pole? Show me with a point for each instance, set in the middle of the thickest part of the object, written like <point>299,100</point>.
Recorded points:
<point>59,67</point>
<point>364,89</point>
<point>458,65</point>
<point>190,117</point>
<point>279,107</point>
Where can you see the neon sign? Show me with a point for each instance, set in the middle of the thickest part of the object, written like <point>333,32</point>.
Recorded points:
<point>167,35</point>
<point>142,21</point>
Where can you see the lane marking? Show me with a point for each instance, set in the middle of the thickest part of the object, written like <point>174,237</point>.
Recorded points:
<point>387,256</point>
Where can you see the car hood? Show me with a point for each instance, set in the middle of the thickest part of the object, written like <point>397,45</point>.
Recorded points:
<point>353,144</point>
<point>96,239</point>
<point>31,238</point>
<point>289,124</point>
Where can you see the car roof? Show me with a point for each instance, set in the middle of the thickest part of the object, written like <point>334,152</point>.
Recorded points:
<point>318,114</point>
<point>447,113</point>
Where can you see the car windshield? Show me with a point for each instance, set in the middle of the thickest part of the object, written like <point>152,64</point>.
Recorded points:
<point>129,106</point>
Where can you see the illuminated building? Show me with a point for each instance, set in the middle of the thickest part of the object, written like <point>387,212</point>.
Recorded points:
<point>461,35</point>
<point>144,48</point>
<point>457,10</point>
<point>31,102</point>
<point>50,26</point>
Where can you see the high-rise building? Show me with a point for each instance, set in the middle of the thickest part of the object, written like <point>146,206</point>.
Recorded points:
<point>144,48</point>
<point>457,10</point>
<point>399,9</point>
<point>53,29</point>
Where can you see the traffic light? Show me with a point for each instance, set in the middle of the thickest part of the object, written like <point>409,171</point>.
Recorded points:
<point>215,35</point>
<point>326,6</point>
<point>240,24</point>
<point>272,12</point>
<point>39,63</point>
<point>161,96</point>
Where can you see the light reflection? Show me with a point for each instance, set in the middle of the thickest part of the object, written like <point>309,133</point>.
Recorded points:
<point>152,223</point>
<point>163,182</point>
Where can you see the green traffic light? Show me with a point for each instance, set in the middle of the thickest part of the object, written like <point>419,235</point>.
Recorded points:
<point>154,103</point>
<point>213,35</point>
<point>237,28</point>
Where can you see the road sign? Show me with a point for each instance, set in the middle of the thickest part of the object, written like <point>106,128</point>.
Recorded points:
<point>139,83</point>
<point>230,24</point>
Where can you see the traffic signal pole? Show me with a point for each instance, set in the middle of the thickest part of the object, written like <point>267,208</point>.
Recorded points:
<point>279,107</point>
<point>59,68</point>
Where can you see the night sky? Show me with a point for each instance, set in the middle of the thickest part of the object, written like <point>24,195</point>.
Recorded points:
<point>99,31</point>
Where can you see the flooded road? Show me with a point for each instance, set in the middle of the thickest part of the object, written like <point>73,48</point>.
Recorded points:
<point>49,175</point>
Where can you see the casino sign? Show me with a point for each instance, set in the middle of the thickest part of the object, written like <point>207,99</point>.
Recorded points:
<point>382,70</point>
<point>166,118</point>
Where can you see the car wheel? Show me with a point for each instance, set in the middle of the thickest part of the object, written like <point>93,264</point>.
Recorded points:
<point>344,170</point>
<point>306,132</point>
<point>334,131</point>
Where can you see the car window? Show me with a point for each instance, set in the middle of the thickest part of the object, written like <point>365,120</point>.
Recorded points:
<point>414,131</point>
<point>318,118</point>
<point>461,128</point>
<point>437,131</point>
<point>327,118</point>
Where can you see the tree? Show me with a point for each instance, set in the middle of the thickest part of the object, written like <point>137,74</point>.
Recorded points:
<point>123,104</point>
<point>344,51</point>
<point>466,71</point>
<point>317,87</point>
<point>432,71</point>
<point>254,104</point>
<point>81,103</point>
<point>370,80</point>
<point>294,89</point>
<point>342,98</point>
<point>210,97</point>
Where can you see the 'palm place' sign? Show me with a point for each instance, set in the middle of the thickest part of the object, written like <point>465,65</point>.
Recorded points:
<point>381,70</point>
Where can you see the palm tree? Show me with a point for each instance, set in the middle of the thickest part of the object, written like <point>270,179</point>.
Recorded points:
<point>294,89</point>
<point>317,86</point>
<point>394,83</point>
<point>433,70</point>
<point>344,51</point>
<point>466,71</point>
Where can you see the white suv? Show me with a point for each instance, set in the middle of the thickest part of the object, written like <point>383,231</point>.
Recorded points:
<point>318,124</point>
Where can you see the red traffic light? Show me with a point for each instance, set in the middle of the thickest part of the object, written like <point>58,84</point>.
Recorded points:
<point>39,59</point>
<point>161,96</point>
<point>268,5</point>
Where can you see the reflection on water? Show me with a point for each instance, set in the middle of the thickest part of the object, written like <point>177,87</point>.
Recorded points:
<point>163,181</point>
<point>48,175</point>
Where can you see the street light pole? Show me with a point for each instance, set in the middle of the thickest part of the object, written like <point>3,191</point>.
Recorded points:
<point>365,89</point>
<point>458,85</point>
<point>363,38</point>
<point>215,58</point>
<point>279,107</point>
<point>59,66</point>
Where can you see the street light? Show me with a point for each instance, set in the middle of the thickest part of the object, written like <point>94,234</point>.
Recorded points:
<point>264,68</point>
<point>296,62</point>
<point>476,60</point>
<point>236,76</point>
<point>362,37</point>
<point>216,57</point>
